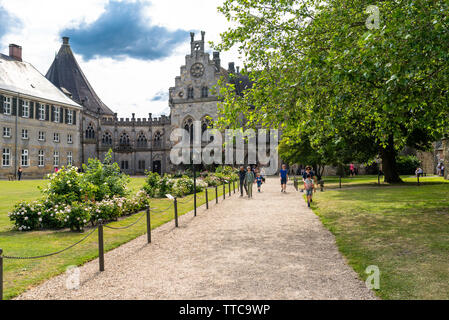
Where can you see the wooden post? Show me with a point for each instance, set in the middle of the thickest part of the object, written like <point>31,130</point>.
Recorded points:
<point>148,225</point>
<point>100,245</point>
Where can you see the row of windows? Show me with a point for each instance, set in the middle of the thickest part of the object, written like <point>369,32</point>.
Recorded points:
<point>204,92</point>
<point>25,159</point>
<point>43,112</point>
<point>40,137</point>
<point>125,141</point>
<point>124,165</point>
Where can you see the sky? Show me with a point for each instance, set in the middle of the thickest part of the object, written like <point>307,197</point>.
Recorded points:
<point>130,50</point>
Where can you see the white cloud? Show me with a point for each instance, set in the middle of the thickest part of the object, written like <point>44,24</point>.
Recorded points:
<point>128,85</point>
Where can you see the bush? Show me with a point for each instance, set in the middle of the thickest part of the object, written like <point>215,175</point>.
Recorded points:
<point>67,186</point>
<point>151,183</point>
<point>106,177</point>
<point>407,164</point>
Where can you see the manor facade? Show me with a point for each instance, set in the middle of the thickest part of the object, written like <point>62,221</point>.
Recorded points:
<point>77,125</point>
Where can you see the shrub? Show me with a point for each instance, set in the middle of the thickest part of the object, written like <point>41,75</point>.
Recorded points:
<point>151,183</point>
<point>407,164</point>
<point>106,176</point>
<point>76,216</point>
<point>67,186</point>
<point>26,216</point>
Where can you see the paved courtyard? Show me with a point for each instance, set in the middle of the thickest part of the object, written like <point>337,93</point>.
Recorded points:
<point>270,247</point>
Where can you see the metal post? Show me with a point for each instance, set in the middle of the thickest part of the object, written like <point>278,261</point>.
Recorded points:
<point>378,179</point>
<point>418,178</point>
<point>340,181</point>
<point>216,194</point>
<point>224,190</point>
<point>194,190</point>
<point>176,213</point>
<point>100,245</point>
<point>233,184</point>
<point>1,274</point>
<point>148,225</point>
<point>229,185</point>
<point>207,200</point>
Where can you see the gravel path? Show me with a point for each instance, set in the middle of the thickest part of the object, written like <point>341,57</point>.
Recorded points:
<point>270,247</point>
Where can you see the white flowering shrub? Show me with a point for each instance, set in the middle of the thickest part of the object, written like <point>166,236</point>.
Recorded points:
<point>76,216</point>
<point>26,216</point>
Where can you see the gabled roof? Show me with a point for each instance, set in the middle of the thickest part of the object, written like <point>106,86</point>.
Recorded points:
<point>66,74</point>
<point>21,77</point>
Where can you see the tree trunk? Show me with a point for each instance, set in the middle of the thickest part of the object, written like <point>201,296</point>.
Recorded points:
<point>388,156</point>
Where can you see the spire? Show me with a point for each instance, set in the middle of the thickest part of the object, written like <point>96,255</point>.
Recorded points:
<point>66,73</point>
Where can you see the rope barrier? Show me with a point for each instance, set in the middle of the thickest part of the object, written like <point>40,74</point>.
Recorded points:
<point>186,201</point>
<point>121,228</point>
<point>54,253</point>
<point>160,211</point>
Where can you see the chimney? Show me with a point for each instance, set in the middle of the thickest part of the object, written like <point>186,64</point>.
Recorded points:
<point>202,35</point>
<point>15,52</point>
<point>65,40</point>
<point>231,67</point>
<point>192,36</point>
<point>238,69</point>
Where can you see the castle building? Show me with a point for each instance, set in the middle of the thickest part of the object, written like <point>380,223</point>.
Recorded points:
<point>39,124</point>
<point>75,125</point>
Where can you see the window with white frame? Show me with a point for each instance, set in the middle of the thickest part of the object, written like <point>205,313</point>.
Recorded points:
<point>69,138</point>
<point>69,117</point>
<point>41,111</point>
<point>24,160</point>
<point>6,132</point>
<point>41,136</point>
<point>56,137</point>
<point>24,134</point>
<point>6,105</point>
<point>69,158</point>
<point>40,158</point>
<point>57,114</point>
<point>25,109</point>
<point>56,158</point>
<point>6,157</point>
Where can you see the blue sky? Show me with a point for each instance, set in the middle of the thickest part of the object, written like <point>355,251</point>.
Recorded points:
<point>131,51</point>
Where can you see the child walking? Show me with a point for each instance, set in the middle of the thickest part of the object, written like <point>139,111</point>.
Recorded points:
<point>259,181</point>
<point>308,186</point>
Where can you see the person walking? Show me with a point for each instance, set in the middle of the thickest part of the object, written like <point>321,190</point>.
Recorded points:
<point>259,181</point>
<point>19,173</point>
<point>312,176</point>
<point>249,180</point>
<point>309,186</point>
<point>242,174</point>
<point>351,170</point>
<point>283,173</point>
<point>442,170</point>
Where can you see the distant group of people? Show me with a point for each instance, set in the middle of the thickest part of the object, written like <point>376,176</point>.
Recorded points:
<point>309,179</point>
<point>252,175</point>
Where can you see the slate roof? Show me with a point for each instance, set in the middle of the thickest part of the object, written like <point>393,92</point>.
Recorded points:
<point>66,74</point>
<point>21,77</point>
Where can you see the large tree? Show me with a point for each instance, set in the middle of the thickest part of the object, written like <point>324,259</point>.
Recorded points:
<point>319,65</point>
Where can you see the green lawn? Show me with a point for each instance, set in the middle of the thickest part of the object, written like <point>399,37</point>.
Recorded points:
<point>21,274</point>
<point>403,229</point>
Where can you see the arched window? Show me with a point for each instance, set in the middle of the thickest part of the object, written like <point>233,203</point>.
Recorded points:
<point>204,92</point>
<point>141,140</point>
<point>188,126</point>
<point>106,139</point>
<point>157,139</point>
<point>90,132</point>
<point>124,139</point>
<point>205,124</point>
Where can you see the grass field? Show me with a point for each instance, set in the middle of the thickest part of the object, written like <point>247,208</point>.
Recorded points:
<point>21,274</point>
<point>403,229</point>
